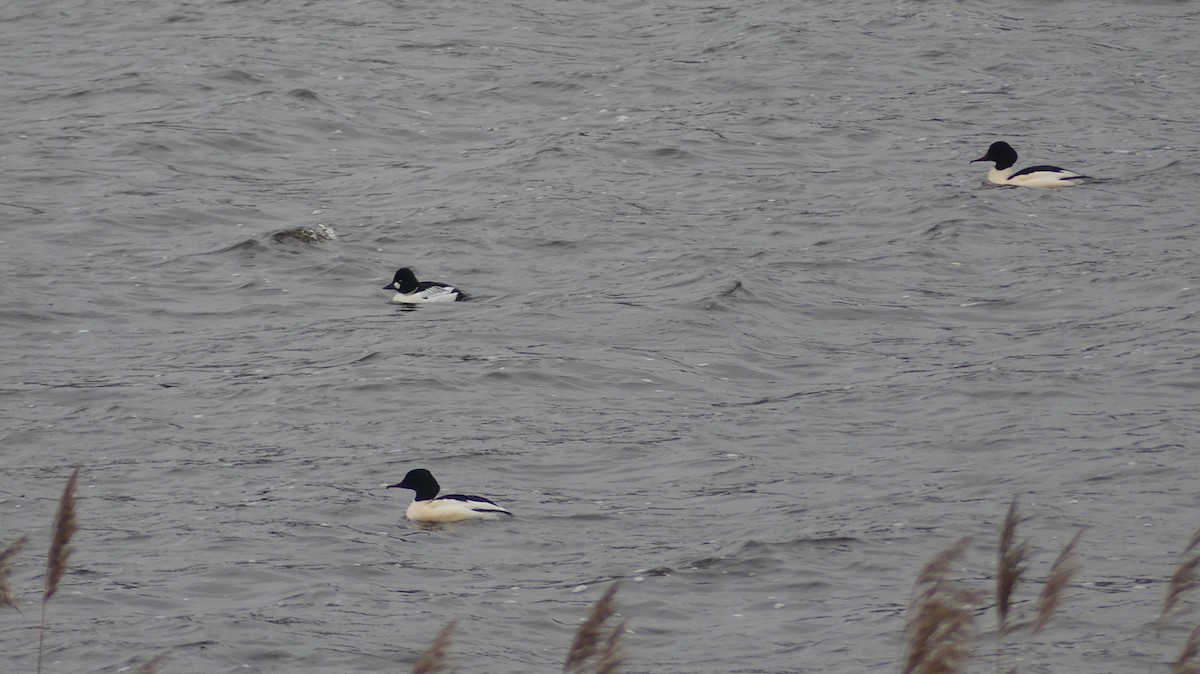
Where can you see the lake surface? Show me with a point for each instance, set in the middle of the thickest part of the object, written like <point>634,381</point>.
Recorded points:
<point>748,332</point>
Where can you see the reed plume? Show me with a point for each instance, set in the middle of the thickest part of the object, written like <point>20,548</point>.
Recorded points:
<point>936,569</point>
<point>150,666</point>
<point>60,553</point>
<point>941,622</point>
<point>1063,569</point>
<point>1187,662</point>
<point>6,557</point>
<point>612,656</point>
<point>1010,566</point>
<point>1184,578</point>
<point>435,659</point>
<point>60,542</point>
<point>592,650</point>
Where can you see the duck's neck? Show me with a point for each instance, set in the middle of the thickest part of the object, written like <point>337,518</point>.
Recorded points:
<point>1000,176</point>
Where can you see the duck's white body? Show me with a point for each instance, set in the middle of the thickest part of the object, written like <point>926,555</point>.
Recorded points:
<point>433,293</point>
<point>1035,176</point>
<point>453,510</point>
<point>1004,173</point>
<point>428,507</point>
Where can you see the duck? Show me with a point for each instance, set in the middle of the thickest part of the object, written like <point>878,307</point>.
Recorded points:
<point>429,507</point>
<point>411,291</point>
<point>1035,176</point>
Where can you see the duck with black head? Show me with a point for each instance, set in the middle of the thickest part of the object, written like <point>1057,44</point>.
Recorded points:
<point>1004,173</point>
<point>411,291</point>
<point>429,507</point>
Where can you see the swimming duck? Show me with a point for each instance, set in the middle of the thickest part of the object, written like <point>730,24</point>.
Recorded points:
<point>411,291</point>
<point>429,507</point>
<point>1034,176</point>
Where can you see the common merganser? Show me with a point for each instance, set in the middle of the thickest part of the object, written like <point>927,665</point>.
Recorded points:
<point>429,507</point>
<point>1034,176</point>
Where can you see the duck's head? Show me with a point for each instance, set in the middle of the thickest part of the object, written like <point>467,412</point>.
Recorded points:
<point>420,481</point>
<point>405,281</point>
<point>1001,153</point>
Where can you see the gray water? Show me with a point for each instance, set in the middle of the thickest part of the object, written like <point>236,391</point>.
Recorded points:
<point>749,333</point>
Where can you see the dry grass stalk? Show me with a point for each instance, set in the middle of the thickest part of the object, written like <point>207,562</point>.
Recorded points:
<point>937,568</point>
<point>1061,572</point>
<point>150,666</point>
<point>940,633</point>
<point>1191,544</point>
<point>435,659</point>
<point>941,621</point>
<point>611,655</point>
<point>6,557</point>
<point>60,542</point>
<point>590,642</point>
<point>1187,662</point>
<point>60,552</point>
<point>1011,565</point>
<point>1184,578</point>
